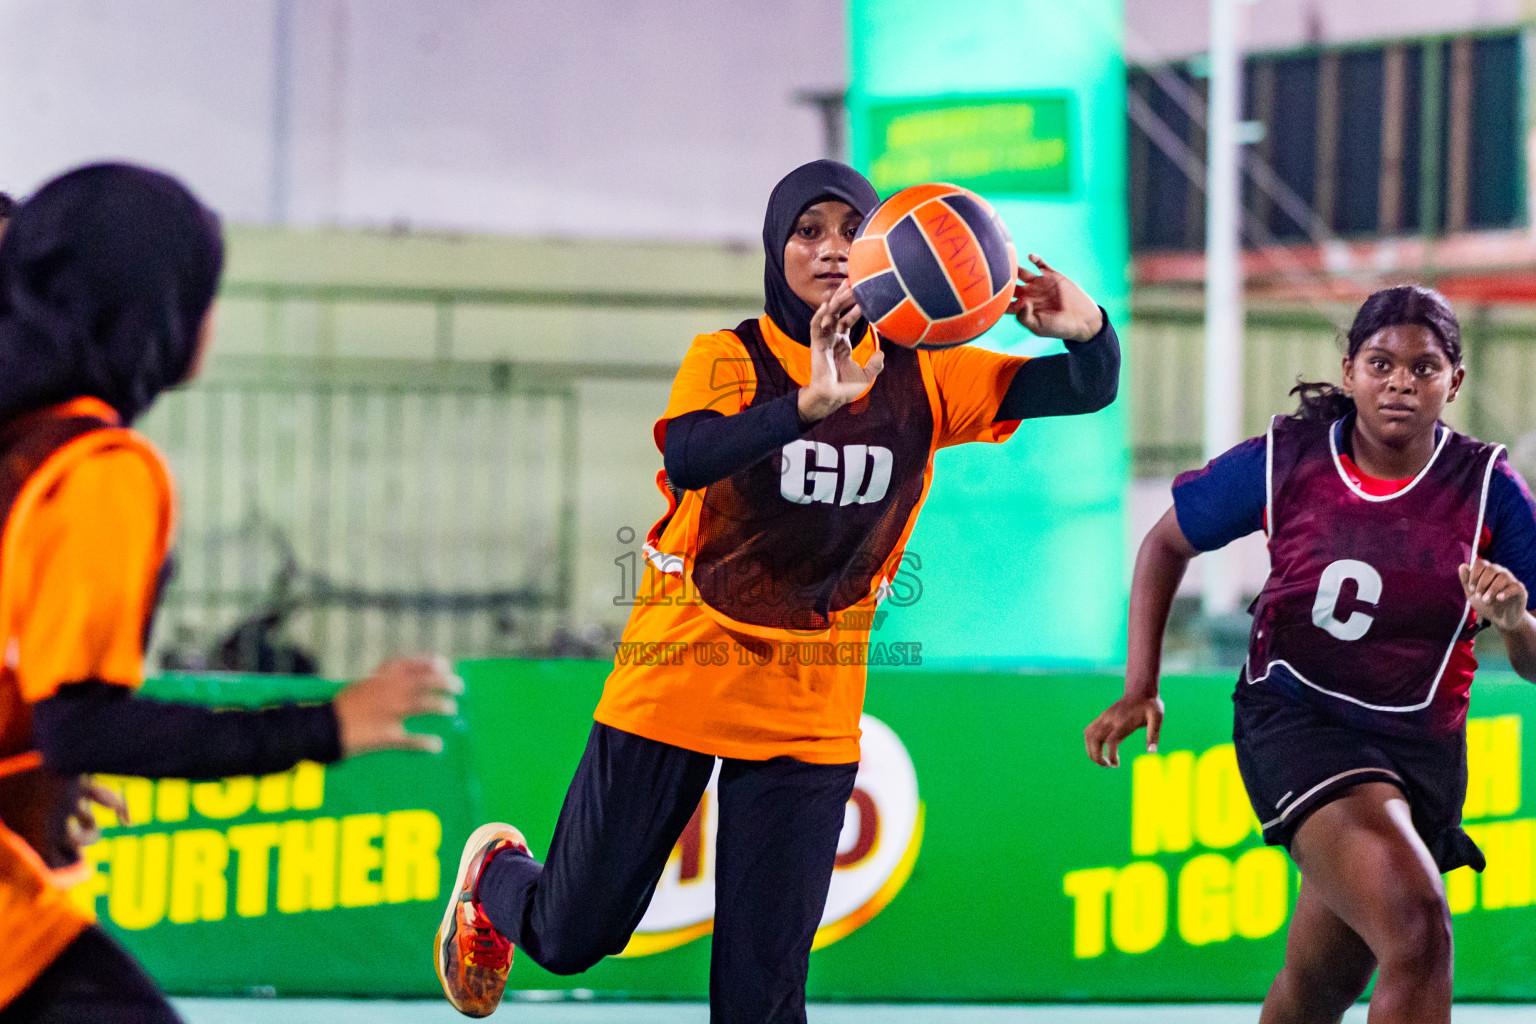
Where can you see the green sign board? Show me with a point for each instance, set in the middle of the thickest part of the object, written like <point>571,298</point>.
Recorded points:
<point>984,857</point>
<point>320,880</point>
<point>996,145</point>
<point>1033,874</point>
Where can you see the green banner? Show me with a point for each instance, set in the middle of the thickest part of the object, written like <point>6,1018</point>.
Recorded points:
<point>998,145</point>
<point>984,857</point>
<point>323,880</point>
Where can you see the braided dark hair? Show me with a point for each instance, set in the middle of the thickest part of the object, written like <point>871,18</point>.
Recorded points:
<point>1391,307</point>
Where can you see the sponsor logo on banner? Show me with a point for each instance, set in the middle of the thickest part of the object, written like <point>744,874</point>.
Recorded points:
<point>882,833</point>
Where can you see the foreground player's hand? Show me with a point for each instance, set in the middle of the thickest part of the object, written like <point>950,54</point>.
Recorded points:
<point>1118,721</point>
<point>1495,593</point>
<point>372,713</point>
<point>82,826</point>
<point>1052,306</point>
<point>836,379</point>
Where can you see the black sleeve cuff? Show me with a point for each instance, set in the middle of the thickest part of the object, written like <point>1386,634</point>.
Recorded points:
<point>1084,379</point>
<point>1106,333</point>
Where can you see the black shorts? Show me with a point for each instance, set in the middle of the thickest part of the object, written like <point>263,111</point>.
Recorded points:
<point>1295,758</point>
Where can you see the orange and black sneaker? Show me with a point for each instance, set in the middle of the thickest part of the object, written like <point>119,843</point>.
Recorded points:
<point>473,958</point>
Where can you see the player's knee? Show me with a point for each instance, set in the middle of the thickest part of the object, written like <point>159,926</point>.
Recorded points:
<point>1420,936</point>
<point>1326,986</point>
<point>568,956</point>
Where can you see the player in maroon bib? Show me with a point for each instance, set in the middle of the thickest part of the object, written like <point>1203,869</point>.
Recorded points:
<point>1347,565</point>
<point>1392,540</point>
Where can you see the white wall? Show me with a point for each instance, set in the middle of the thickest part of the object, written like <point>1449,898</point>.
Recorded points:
<point>589,117</point>
<point>1158,30</point>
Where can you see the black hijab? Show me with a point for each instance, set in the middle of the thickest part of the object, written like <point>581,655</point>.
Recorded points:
<point>803,187</point>
<point>105,277</point>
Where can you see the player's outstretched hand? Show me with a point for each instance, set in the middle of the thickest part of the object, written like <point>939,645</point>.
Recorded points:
<point>1051,305</point>
<point>1496,594</point>
<point>372,712</point>
<point>82,827</point>
<point>1118,721</point>
<point>836,379</point>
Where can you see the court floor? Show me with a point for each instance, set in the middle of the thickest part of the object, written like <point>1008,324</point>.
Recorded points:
<point>335,1011</point>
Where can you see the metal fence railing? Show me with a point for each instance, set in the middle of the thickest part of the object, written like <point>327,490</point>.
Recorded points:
<point>1497,402</point>
<point>338,510</point>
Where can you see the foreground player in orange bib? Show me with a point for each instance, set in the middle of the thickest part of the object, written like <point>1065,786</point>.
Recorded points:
<point>107,276</point>
<point>798,449</point>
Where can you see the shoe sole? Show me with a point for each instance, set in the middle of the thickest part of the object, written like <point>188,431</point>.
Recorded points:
<point>477,839</point>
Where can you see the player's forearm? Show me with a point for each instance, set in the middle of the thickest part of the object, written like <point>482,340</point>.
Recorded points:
<point>705,446</point>
<point>1521,645</point>
<point>1085,379</point>
<point>1160,567</point>
<point>96,727</point>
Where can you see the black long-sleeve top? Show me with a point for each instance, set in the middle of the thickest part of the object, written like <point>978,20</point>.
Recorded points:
<point>705,446</point>
<point>100,727</point>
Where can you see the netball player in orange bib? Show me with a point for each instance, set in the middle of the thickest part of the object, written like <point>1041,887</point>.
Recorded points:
<point>107,276</point>
<point>798,448</point>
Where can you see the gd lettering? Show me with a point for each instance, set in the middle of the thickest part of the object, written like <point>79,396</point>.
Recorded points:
<point>811,472</point>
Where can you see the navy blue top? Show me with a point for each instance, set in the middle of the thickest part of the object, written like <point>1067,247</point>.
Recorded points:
<point>1225,499</point>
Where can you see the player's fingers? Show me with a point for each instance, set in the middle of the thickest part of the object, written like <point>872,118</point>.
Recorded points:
<point>822,319</point>
<point>1464,571</point>
<point>427,666</point>
<point>842,347</point>
<point>1045,268</point>
<point>112,800</point>
<point>1027,274</point>
<point>424,742</point>
<point>1495,577</point>
<point>1093,740</point>
<point>1489,580</point>
<point>434,704</point>
<point>447,682</point>
<point>849,318</point>
<point>410,665</point>
<point>1154,727</point>
<point>1112,752</point>
<point>840,299</point>
<point>875,365</point>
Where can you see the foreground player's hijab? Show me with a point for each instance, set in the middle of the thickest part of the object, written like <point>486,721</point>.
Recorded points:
<point>105,276</point>
<point>803,187</point>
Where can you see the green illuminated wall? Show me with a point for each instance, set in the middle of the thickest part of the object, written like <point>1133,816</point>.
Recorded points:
<point>1022,545</point>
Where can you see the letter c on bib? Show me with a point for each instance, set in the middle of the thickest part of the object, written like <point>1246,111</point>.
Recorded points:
<point>1368,589</point>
